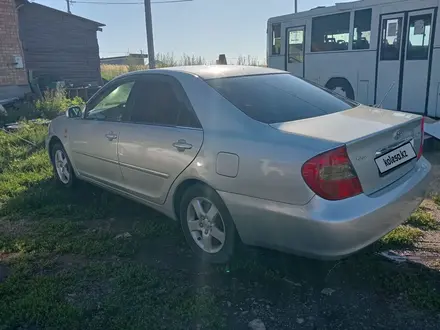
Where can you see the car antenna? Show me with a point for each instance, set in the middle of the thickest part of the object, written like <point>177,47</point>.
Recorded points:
<point>386,94</point>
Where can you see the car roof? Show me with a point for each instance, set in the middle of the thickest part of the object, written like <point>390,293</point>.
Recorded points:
<point>219,71</point>
<point>223,71</point>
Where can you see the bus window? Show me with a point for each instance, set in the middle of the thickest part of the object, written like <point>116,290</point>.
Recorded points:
<point>362,29</point>
<point>296,46</point>
<point>419,37</point>
<point>330,33</point>
<point>276,39</point>
<point>391,39</point>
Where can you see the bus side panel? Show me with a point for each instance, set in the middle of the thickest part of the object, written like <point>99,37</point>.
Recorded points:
<point>276,62</point>
<point>358,69</point>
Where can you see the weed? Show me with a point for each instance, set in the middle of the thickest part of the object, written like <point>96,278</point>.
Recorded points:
<point>436,199</point>
<point>55,102</point>
<point>402,236</point>
<point>423,220</point>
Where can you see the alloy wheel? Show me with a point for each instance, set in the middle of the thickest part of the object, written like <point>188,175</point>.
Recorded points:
<point>206,225</point>
<point>62,166</point>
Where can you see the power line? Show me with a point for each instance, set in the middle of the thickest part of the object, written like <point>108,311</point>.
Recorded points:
<point>128,3</point>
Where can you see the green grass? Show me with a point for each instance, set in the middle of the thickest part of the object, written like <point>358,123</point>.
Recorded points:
<point>436,198</point>
<point>67,269</point>
<point>423,220</point>
<point>402,236</point>
<point>100,285</point>
<point>103,295</point>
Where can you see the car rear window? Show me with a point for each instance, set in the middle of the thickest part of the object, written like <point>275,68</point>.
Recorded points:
<point>276,98</point>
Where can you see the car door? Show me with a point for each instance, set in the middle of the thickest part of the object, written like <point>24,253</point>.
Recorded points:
<point>93,138</point>
<point>162,138</point>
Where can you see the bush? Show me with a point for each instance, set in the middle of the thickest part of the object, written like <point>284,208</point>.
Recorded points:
<point>55,102</point>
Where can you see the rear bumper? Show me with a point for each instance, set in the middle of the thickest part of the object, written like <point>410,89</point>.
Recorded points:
<point>329,229</point>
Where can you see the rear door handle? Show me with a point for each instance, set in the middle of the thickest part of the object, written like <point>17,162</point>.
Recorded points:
<point>182,145</point>
<point>111,136</point>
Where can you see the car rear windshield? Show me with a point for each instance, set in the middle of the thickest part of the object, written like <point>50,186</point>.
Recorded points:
<point>276,98</point>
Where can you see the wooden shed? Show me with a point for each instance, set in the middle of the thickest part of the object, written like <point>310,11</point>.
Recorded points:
<point>59,46</point>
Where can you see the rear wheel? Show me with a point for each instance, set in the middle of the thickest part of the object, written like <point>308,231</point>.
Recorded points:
<point>63,170</point>
<point>341,86</point>
<point>207,224</point>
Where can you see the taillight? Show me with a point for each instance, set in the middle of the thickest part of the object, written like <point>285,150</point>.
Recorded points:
<point>331,175</point>
<point>422,135</point>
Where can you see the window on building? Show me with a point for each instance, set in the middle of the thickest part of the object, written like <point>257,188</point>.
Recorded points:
<point>391,39</point>
<point>276,39</point>
<point>419,37</point>
<point>362,29</point>
<point>330,33</point>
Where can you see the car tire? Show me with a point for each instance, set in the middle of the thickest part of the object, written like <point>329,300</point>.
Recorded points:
<point>62,167</point>
<point>210,234</point>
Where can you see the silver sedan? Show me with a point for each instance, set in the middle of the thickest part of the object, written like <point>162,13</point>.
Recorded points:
<point>247,153</point>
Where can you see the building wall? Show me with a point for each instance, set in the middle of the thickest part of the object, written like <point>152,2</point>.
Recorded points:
<point>13,81</point>
<point>58,46</point>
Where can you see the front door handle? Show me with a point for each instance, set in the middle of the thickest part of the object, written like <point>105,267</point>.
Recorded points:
<point>111,136</point>
<point>182,145</point>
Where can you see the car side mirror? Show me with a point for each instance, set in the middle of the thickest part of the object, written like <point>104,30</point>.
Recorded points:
<point>74,112</point>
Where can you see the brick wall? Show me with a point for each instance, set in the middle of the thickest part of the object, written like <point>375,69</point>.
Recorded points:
<point>10,45</point>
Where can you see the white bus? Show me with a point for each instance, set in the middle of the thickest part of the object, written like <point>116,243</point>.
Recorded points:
<point>383,52</point>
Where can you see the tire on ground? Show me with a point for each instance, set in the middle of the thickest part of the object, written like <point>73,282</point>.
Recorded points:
<point>204,191</point>
<point>58,146</point>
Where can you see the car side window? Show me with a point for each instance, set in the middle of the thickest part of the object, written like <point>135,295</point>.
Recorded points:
<point>111,106</point>
<point>160,100</point>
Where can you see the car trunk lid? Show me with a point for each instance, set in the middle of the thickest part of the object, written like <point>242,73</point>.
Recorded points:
<point>381,144</point>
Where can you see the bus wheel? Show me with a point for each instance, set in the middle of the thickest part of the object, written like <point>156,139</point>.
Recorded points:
<point>341,86</point>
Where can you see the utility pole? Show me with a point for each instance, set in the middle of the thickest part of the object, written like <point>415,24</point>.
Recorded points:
<point>149,27</point>
<point>296,6</point>
<point>68,6</point>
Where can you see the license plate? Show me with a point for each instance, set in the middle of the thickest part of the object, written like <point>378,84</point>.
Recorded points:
<point>396,157</point>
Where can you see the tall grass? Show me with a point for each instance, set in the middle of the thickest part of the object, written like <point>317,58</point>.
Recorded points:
<point>164,60</point>
<point>247,60</point>
<point>109,71</point>
<point>55,102</point>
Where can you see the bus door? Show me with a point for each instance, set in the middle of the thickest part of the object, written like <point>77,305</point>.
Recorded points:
<point>295,50</point>
<point>390,53</point>
<point>416,62</point>
<point>404,58</point>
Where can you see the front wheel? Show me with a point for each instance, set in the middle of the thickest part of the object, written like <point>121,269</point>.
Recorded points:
<point>207,224</point>
<point>63,170</point>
